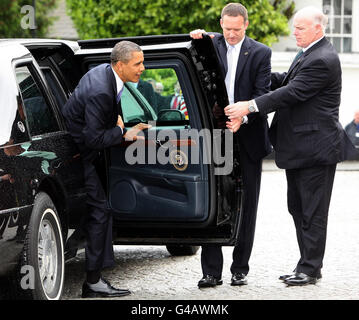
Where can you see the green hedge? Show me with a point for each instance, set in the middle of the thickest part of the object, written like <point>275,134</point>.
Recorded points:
<point>114,18</point>
<point>10,18</point>
<point>167,77</point>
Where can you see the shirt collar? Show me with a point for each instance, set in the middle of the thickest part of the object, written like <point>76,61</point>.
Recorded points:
<point>119,82</point>
<point>312,44</point>
<point>237,46</point>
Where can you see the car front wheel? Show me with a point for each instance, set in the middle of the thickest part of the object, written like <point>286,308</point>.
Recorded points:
<point>182,250</point>
<point>43,263</point>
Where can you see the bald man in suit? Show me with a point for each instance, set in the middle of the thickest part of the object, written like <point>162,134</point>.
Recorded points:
<point>307,136</point>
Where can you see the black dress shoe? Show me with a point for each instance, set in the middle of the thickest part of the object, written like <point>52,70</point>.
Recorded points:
<point>209,281</point>
<point>300,279</point>
<point>102,289</point>
<point>286,276</point>
<point>238,279</point>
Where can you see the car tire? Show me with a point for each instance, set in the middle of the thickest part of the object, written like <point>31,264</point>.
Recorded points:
<point>42,263</point>
<point>182,250</point>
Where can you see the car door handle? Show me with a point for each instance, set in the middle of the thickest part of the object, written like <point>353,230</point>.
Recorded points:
<point>160,143</point>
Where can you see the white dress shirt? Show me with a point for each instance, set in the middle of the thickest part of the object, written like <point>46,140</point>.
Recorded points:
<point>119,82</point>
<point>312,44</point>
<point>232,62</point>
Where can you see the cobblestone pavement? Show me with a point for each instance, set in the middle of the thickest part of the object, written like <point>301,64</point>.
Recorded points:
<point>151,273</point>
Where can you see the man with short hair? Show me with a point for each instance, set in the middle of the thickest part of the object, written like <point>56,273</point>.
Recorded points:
<point>246,66</point>
<point>92,118</point>
<point>307,136</point>
<point>352,129</point>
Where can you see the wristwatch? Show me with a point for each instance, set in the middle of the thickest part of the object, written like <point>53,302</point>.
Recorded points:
<point>251,107</point>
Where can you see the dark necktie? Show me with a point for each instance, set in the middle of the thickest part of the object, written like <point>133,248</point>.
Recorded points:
<point>118,98</point>
<point>299,54</point>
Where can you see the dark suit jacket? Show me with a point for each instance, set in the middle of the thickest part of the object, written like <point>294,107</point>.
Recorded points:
<point>351,130</point>
<point>157,101</point>
<point>305,130</point>
<point>91,112</point>
<point>252,80</point>
<point>148,92</point>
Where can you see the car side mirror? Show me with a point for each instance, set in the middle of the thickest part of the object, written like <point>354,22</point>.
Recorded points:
<point>170,115</point>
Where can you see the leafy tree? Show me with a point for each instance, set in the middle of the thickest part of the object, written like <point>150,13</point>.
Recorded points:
<point>113,18</point>
<point>11,16</point>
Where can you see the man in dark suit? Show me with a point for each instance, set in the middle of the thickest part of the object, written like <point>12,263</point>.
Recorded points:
<point>246,64</point>
<point>352,130</point>
<point>92,118</point>
<point>156,100</point>
<point>307,136</point>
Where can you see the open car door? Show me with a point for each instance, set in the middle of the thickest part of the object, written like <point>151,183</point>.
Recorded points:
<point>181,183</point>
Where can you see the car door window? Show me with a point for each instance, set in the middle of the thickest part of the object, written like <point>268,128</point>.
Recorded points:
<point>166,90</point>
<point>135,107</point>
<point>165,178</point>
<point>158,96</point>
<point>39,114</point>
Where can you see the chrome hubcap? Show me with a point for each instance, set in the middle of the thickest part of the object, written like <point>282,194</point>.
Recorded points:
<point>47,256</point>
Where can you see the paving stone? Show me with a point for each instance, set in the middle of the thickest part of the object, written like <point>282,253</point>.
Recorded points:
<point>152,274</point>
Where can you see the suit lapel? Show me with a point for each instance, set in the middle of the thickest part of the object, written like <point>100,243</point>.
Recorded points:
<point>291,68</point>
<point>116,110</point>
<point>243,56</point>
<point>294,66</point>
<point>242,59</point>
<point>222,52</point>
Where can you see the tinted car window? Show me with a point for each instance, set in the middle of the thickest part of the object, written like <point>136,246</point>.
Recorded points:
<point>39,114</point>
<point>135,107</point>
<point>156,97</point>
<point>160,91</point>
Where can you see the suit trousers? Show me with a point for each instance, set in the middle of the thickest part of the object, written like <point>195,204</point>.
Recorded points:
<point>97,222</point>
<point>211,256</point>
<point>309,193</point>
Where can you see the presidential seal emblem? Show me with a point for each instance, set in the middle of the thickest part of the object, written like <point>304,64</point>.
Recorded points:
<point>179,160</point>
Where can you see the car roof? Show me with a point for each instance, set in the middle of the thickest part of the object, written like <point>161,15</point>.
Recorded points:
<point>10,50</point>
<point>142,41</point>
<point>102,45</point>
<point>147,43</point>
<point>25,42</point>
